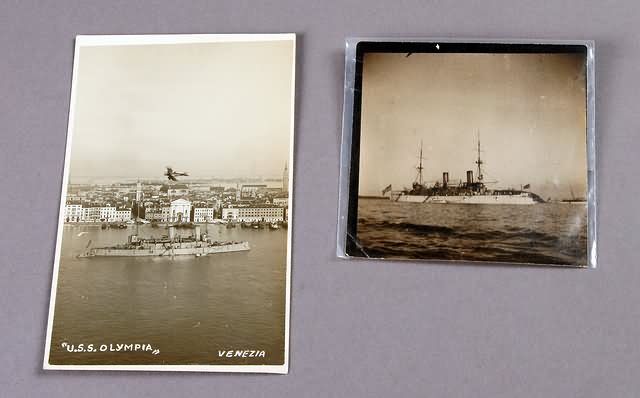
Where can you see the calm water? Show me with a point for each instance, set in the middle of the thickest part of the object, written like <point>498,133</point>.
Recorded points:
<point>549,233</point>
<point>187,307</point>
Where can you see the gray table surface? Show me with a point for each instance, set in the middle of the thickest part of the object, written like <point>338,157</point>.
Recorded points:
<point>359,329</point>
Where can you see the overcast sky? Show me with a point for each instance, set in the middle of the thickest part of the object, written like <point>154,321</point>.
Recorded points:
<point>212,109</point>
<point>529,110</point>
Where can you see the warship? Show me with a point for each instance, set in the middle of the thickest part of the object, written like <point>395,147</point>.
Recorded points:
<point>197,244</point>
<point>471,191</point>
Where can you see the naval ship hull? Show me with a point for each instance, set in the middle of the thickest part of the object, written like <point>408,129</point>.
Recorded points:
<point>158,250</point>
<point>521,199</point>
<point>471,192</point>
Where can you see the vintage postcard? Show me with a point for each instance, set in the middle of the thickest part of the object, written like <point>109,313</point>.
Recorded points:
<point>174,242</point>
<point>469,151</point>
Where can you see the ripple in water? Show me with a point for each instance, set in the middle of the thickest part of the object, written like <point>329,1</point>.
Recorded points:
<point>549,233</point>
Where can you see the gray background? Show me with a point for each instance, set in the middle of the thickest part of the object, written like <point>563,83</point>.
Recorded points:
<point>357,328</point>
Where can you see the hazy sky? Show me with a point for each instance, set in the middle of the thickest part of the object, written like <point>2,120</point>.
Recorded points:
<point>529,109</point>
<point>213,109</point>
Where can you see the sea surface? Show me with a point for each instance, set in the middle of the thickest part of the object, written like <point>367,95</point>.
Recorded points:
<point>545,233</point>
<point>187,307</point>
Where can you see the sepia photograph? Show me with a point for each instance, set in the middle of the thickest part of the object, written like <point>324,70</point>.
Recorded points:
<point>174,240</point>
<point>471,152</point>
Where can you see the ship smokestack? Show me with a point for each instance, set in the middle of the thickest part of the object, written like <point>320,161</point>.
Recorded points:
<point>445,179</point>
<point>469,177</point>
<point>172,232</point>
<point>197,232</point>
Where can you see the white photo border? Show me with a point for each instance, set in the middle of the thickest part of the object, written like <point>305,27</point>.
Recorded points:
<point>122,40</point>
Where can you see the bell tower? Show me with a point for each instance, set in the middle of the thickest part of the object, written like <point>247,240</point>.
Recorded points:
<point>285,178</point>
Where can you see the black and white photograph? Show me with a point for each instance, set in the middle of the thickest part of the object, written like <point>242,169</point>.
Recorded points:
<point>173,248</point>
<point>473,152</point>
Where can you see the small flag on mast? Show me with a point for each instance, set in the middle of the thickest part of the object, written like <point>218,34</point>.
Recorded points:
<point>387,189</point>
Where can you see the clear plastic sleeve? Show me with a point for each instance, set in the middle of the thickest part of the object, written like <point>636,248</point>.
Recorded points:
<point>443,193</point>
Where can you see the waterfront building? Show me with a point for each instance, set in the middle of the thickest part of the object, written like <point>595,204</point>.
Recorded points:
<point>122,214</point>
<point>254,213</point>
<point>90,213</point>
<point>203,214</point>
<point>178,211</point>
<point>107,213</point>
<point>154,214</point>
<point>230,213</point>
<point>72,212</point>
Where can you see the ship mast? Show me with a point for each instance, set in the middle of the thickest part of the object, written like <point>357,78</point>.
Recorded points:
<point>420,168</point>
<point>479,161</point>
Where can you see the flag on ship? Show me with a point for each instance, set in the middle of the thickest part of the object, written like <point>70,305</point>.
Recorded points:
<point>387,189</point>
<point>526,186</point>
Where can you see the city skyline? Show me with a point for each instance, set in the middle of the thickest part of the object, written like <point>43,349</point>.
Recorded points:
<point>87,179</point>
